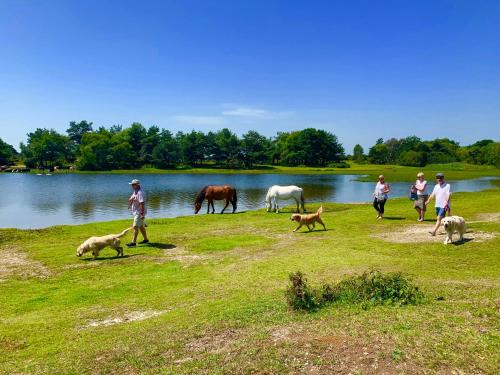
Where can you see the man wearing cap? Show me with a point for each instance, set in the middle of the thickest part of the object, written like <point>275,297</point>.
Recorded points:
<point>136,203</point>
<point>442,193</point>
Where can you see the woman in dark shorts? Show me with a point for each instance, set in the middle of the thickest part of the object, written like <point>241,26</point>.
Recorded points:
<point>421,188</point>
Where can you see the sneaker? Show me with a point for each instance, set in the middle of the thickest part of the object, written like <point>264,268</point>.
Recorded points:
<point>131,244</point>
<point>144,241</point>
<point>432,234</point>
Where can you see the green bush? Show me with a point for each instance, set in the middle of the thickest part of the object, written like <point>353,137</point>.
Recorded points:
<point>372,287</point>
<point>341,164</point>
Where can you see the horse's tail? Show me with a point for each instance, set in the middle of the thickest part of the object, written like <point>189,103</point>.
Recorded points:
<point>234,200</point>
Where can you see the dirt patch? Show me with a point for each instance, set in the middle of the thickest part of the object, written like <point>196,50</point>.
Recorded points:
<point>181,255</point>
<point>15,263</point>
<point>340,354</point>
<point>420,233</point>
<point>131,316</point>
<point>492,217</point>
<point>216,342</point>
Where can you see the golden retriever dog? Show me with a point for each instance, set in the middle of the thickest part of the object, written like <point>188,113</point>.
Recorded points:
<point>96,244</point>
<point>451,225</point>
<point>308,220</point>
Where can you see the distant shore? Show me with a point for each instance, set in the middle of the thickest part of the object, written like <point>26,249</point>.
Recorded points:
<point>367,172</point>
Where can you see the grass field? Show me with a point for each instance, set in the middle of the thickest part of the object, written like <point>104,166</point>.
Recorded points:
<point>454,171</point>
<point>207,296</point>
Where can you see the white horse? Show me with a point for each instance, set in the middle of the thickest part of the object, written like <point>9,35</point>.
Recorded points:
<point>284,192</point>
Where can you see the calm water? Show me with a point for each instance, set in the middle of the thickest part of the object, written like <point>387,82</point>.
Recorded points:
<point>31,201</point>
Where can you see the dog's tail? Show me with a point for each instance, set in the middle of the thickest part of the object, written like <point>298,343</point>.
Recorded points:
<point>123,233</point>
<point>320,210</point>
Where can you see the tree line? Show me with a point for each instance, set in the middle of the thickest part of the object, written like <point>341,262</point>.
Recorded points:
<point>413,151</point>
<point>137,146</point>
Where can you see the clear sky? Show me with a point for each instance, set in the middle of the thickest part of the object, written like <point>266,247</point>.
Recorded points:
<point>360,69</point>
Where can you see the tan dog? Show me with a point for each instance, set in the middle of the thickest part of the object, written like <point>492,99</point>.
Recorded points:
<point>453,224</point>
<point>96,244</point>
<point>308,220</point>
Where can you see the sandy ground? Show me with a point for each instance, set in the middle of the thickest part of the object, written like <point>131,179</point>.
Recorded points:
<point>14,262</point>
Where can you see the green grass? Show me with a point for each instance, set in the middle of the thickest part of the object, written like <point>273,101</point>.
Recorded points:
<point>218,283</point>
<point>367,172</point>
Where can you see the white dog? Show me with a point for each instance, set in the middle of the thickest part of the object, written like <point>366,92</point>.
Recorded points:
<point>96,244</point>
<point>453,224</point>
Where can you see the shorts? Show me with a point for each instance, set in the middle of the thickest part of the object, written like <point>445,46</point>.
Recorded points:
<point>138,222</point>
<point>420,202</point>
<point>440,211</point>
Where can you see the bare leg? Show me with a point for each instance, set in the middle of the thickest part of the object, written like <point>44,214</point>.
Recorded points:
<point>436,227</point>
<point>136,232</point>
<point>419,213</point>
<point>143,232</point>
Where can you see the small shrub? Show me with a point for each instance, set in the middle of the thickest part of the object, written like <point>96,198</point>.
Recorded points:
<point>341,164</point>
<point>299,295</point>
<point>372,287</point>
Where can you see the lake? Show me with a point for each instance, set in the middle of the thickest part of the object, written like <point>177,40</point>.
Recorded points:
<point>32,201</point>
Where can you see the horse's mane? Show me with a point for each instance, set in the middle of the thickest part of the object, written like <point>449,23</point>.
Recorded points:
<point>201,195</point>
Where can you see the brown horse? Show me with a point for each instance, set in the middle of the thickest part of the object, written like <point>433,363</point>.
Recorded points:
<point>216,192</point>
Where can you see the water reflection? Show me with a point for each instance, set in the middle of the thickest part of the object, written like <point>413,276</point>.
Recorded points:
<point>40,201</point>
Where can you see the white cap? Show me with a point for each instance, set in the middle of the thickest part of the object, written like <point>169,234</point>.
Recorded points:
<point>134,182</point>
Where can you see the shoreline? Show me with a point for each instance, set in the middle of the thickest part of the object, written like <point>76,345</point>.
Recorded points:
<point>152,219</point>
<point>365,172</point>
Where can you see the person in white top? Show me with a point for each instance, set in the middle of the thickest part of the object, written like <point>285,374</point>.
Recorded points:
<point>421,189</point>
<point>442,194</point>
<point>380,196</point>
<point>137,204</point>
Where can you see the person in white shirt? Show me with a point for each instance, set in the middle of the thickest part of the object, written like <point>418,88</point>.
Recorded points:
<point>442,194</point>
<point>137,204</point>
<point>421,189</point>
<point>380,196</point>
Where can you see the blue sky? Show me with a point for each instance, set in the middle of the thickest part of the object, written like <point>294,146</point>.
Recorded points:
<point>360,69</point>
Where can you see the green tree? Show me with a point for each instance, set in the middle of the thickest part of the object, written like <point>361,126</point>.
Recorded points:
<point>227,147</point>
<point>378,154</point>
<point>151,140</point>
<point>8,153</point>
<point>358,154</point>
<point>46,148</point>
<point>166,153</point>
<point>96,151</point>
<point>255,148</point>
<point>76,130</point>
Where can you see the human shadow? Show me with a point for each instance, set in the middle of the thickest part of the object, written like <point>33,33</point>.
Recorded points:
<point>163,246</point>
<point>111,258</point>
<point>394,218</point>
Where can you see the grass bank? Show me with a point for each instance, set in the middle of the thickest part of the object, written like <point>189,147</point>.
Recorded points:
<point>454,171</point>
<point>208,296</point>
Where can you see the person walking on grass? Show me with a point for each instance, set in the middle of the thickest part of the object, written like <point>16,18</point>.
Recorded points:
<point>442,194</point>
<point>137,204</point>
<point>380,196</point>
<point>421,190</point>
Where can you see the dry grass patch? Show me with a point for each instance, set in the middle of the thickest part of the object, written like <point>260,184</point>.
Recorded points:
<point>15,263</point>
<point>217,342</point>
<point>420,233</point>
<point>339,353</point>
<point>492,217</point>
<point>131,316</point>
